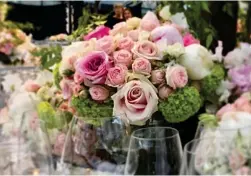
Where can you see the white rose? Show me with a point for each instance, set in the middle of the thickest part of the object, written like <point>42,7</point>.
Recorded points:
<point>175,50</point>
<point>165,13</point>
<point>71,53</point>
<point>133,23</point>
<point>198,61</point>
<point>137,101</point>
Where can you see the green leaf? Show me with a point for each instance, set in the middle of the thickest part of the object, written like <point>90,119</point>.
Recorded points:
<point>205,6</point>
<point>209,40</point>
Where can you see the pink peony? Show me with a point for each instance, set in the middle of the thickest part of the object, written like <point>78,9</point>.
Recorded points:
<point>99,93</point>
<point>119,28</point>
<point>78,78</point>
<point>224,109</point>
<point>149,22</point>
<point>176,76</point>
<point>167,34</point>
<point>137,100</point>
<point>164,91</point>
<point>98,33</point>
<point>189,39</point>
<point>122,57</point>
<point>105,44</point>
<point>141,65</point>
<point>116,76</point>
<point>157,76</point>
<point>134,35</point>
<point>31,86</point>
<point>59,144</point>
<point>243,104</point>
<point>125,43</point>
<point>66,87</point>
<point>94,67</point>
<point>146,49</point>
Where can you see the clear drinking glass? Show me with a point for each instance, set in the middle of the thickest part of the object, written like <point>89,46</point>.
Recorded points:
<point>154,151</point>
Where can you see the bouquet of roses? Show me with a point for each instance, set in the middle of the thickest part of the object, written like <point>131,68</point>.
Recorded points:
<point>137,68</point>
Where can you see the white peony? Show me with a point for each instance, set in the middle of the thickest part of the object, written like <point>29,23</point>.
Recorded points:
<point>165,13</point>
<point>198,61</point>
<point>71,53</point>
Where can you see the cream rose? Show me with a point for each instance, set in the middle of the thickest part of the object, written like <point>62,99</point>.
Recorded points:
<point>137,100</point>
<point>133,23</point>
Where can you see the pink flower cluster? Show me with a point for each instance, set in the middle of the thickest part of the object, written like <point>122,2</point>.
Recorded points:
<point>122,53</point>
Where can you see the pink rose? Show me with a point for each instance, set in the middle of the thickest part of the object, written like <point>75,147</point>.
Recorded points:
<point>141,65</point>
<point>116,75</point>
<point>243,171</point>
<point>119,28</point>
<point>7,48</point>
<point>149,21</point>
<point>94,67</point>
<point>31,86</point>
<point>134,35</point>
<point>76,88</point>
<point>125,43</point>
<point>99,93</point>
<point>167,35</point>
<point>59,144</point>
<point>157,76</point>
<point>243,104</point>
<point>137,100</point>
<point>188,39</point>
<point>98,33</point>
<point>66,87</point>
<point>78,78</point>
<point>106,44</point>
<point>164,91</point>
<point>224,109</point>
<point>122,57</point>
<point>176,76</point>
<point>236,160</point>
<point>146,49</point>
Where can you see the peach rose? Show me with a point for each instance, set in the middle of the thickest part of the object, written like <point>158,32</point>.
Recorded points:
<point>164,91</point>
<point>176,76</point>
<point>141,65</point>
<point>31,86</point>
<point>157,76</point>
<point>122,57</point>
<point>99,93</point>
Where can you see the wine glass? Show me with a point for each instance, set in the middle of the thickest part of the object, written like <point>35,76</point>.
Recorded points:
<point>154,151</point>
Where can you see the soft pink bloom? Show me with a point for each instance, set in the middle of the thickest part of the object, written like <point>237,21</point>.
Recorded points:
<point>157,76</point>
<point>98,33</point>
<point>142,65</point>
<point>122,57</point>
<point>66,87</point>
<point>59,144</point>
<point>31,86</point>
<point>179,28</point>
<point>189,39</point>
<point>137,100</point>
<point>164,91</point>
<point>243,104</point>
<point>76,88</point>
<point>94,67</point>
<point>134,35</point>
<point>106,44</point>
<point>146,49</point>
<point>167,35</point>
<point>66,107</point>
<point>78,78</point>
<point>99,93</point>
<point>119,28</point>
<point>125,43</point>
<point>7,48</point>
<point>224,109</point>
<point>236,160</point>
<point>176,76</point>
<point>149,21</point>
<point>243,171</point>
<point>116,76</point>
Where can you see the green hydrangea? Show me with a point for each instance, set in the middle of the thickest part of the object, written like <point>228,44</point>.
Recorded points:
<point>211,82</point>
<point>56,75</point>
<point>181,104</point>
<point>92,112</point>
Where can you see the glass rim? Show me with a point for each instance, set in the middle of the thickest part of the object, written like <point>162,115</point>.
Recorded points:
<point>166,137</point>
<point>230,129</point>
<point>192,151</point>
